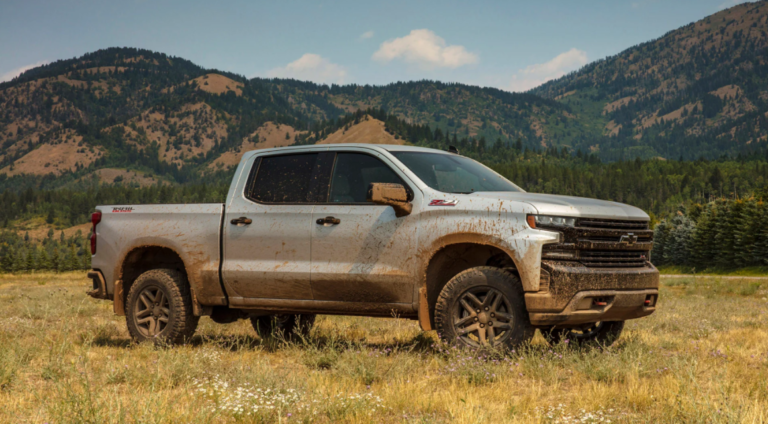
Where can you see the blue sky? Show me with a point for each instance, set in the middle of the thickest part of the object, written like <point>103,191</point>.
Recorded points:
<point>513,45</point>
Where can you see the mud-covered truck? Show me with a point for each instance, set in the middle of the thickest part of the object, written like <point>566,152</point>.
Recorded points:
<point>377,230</point>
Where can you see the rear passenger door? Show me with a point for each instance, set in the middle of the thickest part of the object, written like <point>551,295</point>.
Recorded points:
<point>267,229</point>
<point>362,252</point>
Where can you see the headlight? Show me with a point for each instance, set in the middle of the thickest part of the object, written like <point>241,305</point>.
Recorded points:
<point>550,221</point>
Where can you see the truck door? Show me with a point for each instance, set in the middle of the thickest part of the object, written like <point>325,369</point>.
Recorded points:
<point>267,230</point>
<point>362,252</point>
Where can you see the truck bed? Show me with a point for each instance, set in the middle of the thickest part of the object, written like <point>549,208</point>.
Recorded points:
<point>193,231</point>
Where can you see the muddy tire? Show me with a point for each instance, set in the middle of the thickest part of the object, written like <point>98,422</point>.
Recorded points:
<point>481,307</point>
<point>283,325</point>
<point>159,308</point>
<point>603,333</point>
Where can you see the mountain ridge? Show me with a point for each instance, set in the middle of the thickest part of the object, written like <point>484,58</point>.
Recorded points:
<point>694,92</point>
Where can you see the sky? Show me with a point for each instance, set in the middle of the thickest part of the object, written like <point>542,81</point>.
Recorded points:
<point>512,45</point>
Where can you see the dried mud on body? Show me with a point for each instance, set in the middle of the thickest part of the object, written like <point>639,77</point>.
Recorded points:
<point>64,357</point>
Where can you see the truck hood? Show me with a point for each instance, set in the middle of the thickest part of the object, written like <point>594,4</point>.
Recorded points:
<point>552,204</point>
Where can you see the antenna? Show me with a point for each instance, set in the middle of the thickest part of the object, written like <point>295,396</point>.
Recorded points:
<point>453,149</point>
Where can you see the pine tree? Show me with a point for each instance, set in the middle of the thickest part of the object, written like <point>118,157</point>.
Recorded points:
<point>677,250</point>
<point>7,261</point>
<point>73,262</point>
<point>660,234</point>
<point>29,263</point>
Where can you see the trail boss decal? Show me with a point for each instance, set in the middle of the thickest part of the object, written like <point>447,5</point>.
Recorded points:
<point>122,209</point>
<point>441,202</point>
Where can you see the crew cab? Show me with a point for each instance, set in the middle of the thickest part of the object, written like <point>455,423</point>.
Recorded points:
<point>377,230</point>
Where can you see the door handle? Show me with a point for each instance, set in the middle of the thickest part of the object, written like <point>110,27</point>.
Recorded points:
<point>242,221</point>
<point>328,220</point>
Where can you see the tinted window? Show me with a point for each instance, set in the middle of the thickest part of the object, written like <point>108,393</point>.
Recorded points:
<point>453,174</point>
<point>352,175</point>
<point>283,179</point>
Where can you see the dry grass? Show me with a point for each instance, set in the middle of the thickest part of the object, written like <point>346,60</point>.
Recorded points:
<point>703,357</point>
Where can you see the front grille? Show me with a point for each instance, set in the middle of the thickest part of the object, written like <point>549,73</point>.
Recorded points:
<point>606,243</point>
<point>641,238</point>
<point>613,258</point>
<point>612,224</point>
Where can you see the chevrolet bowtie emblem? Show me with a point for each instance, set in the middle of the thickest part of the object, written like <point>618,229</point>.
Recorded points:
<point>628,239</point>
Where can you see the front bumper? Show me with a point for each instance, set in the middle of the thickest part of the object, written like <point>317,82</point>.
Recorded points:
<point>573,294</point>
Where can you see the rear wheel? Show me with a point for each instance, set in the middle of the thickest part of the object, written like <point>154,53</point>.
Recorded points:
<point>604,333</point>
<point>159,307</point>
<point>483,306</point>
<point>287,325</point>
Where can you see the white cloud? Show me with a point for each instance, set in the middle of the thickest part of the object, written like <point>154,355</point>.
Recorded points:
<point>535,75</point>
<point>424,49</point>
<point>16,72</point>
<point>366,35</point>
<point>312,67</point>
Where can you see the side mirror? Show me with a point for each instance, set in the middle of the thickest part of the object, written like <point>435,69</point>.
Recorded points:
<point>392,195</point>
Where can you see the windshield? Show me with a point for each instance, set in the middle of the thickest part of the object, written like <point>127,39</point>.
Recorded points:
<point>453,174</point>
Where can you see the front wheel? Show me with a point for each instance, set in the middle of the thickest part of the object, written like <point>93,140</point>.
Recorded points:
<point>603,333</point>
<point>483,306</point>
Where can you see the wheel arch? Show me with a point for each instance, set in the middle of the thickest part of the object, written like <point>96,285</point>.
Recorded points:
<point>453,255</point>
<point>141,259</point>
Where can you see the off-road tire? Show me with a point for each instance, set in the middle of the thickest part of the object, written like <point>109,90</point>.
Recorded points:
<point>180,323</point>
<point>603,334</point>
<point>285,325</point>
<point>453,319</point>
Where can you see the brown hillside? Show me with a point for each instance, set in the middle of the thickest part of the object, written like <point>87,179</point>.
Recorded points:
<point>192,131</point>
<point>55,157</point>
<point>368,131</point>
<point>218,84</point>
<point>267,136</point>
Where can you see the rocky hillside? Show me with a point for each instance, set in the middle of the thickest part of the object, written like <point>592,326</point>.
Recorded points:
<point>701,90</point>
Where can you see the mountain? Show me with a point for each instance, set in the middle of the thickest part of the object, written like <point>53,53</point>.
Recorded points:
<point>166,118</point>
<point>701,90</point>
<point>139,117</point>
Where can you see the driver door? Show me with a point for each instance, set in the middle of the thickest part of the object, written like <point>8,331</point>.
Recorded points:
<point>365,254</point>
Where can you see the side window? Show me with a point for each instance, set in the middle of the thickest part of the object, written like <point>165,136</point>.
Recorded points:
<point>352,175</point>
<point>283,179</point>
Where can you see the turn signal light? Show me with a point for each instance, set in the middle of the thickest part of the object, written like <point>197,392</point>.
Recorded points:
<point>531,220</point>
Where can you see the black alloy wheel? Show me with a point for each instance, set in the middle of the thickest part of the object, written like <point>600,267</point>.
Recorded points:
<point>482,316</point>
<point>152,311</point>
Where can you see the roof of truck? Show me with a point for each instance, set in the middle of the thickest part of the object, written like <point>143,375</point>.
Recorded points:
<point>387,147</point>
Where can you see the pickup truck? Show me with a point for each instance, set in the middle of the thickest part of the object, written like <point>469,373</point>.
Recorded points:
<point>377,230</point>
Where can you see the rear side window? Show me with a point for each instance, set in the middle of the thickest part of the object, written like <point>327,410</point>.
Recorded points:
<point>283,179</point>
<point>352,175</point>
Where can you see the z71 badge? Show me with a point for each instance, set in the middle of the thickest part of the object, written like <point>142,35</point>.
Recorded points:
<point>442,202</point>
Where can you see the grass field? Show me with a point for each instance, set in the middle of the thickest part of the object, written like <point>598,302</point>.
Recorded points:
<point>65,358</point>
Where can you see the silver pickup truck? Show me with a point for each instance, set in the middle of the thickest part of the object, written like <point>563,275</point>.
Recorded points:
<point>375,230</point>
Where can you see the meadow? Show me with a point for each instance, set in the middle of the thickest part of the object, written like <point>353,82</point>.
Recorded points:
<point>66,358</point>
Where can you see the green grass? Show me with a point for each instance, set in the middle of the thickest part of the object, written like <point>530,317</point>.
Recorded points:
<point>66,358</point>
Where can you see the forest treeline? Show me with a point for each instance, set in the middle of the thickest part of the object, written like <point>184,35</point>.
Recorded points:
<point>724,234</point>
<point>57,253</point>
